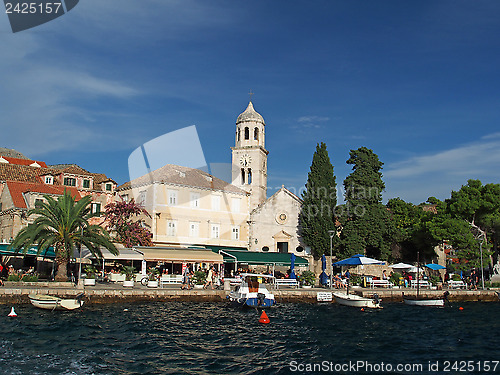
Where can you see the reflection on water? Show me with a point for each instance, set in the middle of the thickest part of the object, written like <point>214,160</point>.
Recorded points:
<point>194,338</point>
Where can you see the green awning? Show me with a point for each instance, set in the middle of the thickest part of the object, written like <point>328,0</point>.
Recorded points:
<point>4,250</point>
<point>216,249</point>
<point>261,258</point>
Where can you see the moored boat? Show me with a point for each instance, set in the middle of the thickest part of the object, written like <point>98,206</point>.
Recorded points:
<point>357,301</point>
<point>252,292</point>
<point>47,302</point>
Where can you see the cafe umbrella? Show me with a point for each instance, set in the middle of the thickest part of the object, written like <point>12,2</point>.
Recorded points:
<point>292,266</point>
<point>323,278</point>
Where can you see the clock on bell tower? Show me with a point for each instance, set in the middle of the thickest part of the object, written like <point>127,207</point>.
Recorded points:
<point>249,159</point>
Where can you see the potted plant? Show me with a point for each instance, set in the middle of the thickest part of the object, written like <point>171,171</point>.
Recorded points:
<point>129,272</point>
<point>396,279</point>
<point>153,278</point>
<point>307,279</point>
<point>90,273</point>
<point>199,279</point>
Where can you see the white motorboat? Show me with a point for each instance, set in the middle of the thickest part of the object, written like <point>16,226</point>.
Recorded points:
<point>357,301</point>
<point>252,292</point>
<point>47,302</point>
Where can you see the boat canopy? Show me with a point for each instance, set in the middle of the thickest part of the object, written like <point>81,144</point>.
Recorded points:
<point>261,258</point>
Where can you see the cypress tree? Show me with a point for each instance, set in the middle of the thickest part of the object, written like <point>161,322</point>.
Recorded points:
<point>367,226</point>
<point>317,216</point>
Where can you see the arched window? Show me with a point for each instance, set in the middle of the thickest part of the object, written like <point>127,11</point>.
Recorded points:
<point>247,133</point>
<point>238,135</point>
<point>299,249</point>
<point>256,134</point>
<point>242,176</point>
<point>265,248</point>
<point>249,176</point>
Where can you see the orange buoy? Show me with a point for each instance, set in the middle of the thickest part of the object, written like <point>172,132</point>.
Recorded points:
<point>460,308</point>
<point>12,313</point>
<point>362,309</point>
<point>263,318</point>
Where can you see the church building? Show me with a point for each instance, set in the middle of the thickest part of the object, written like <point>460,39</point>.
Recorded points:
<point>191,208</point>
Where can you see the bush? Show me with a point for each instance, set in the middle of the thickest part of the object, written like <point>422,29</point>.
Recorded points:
<point>434,280</point>
<point>307,278</point>
<point>14,277</point>
<point>29,278</point>
<point>355,280</point>
<point>395,278</point>
<point>455,277</point>
<point>199,278</point>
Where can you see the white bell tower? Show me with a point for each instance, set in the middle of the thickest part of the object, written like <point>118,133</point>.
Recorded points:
<point>249,163</point>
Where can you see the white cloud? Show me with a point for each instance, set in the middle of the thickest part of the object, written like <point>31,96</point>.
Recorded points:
<point>420,177</point>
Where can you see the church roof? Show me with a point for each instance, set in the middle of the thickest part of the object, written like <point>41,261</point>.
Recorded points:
<point>183,176</point>
<point>250,115</point>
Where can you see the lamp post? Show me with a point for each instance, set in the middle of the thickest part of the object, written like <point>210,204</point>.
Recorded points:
<point>482,268</point>
<point>483,235</point>
<point>332,233</point>
<point>80,260</point>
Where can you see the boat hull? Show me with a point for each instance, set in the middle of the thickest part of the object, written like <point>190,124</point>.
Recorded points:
<point>46,302</point>
<point>356,301</point>
<point>424,302</point>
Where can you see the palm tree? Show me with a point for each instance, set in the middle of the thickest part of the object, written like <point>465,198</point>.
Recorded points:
<point>63,224</point>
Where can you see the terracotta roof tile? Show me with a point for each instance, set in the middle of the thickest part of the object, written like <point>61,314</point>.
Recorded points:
<point>17,189</point>
<point>18,161</point>
<point>25,173</point>
<point>177,175</point>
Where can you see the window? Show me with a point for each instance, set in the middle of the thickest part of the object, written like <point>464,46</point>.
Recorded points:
<point>247,133</point>
<point>299,249</point>
<point>69,181</point>
<point>195,200</point>
<point>86,184</point>
<point>235,205</point>
<point>96,208</point>
<point>216,202</point>
<point>215,231</point>
<point>109,187</point>
<point>194,229</point>
<point>265,248</point>
<point>171,228</point>
<point>256,134</point>
<point>172,197</point>
<point>49,180</point>
<point>242,176</point>
<point>141,199</point>
<point>235,233</point>
<point>124,197</point>
<point>238,136</point>
<point>249,176</point>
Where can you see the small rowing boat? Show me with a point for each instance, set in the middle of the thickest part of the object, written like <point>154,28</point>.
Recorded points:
<point>47,302</point>
<point>357,301</point>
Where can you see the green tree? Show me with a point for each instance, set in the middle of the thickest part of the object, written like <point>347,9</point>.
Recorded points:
<point>317,216</point>
<point>476,208</point>
<point>412,230</point>
<point>367,226</point>
<point>63,224</point>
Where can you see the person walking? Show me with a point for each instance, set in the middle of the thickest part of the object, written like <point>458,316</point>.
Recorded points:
<point>186,274</point>
<point>209,280</point>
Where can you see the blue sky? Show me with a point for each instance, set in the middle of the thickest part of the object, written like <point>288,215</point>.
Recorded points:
<point>417,82</point>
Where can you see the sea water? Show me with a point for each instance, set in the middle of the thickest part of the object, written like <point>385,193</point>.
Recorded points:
<point>217,338</point>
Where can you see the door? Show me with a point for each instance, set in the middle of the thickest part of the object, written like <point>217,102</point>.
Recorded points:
<point>283,247</point>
